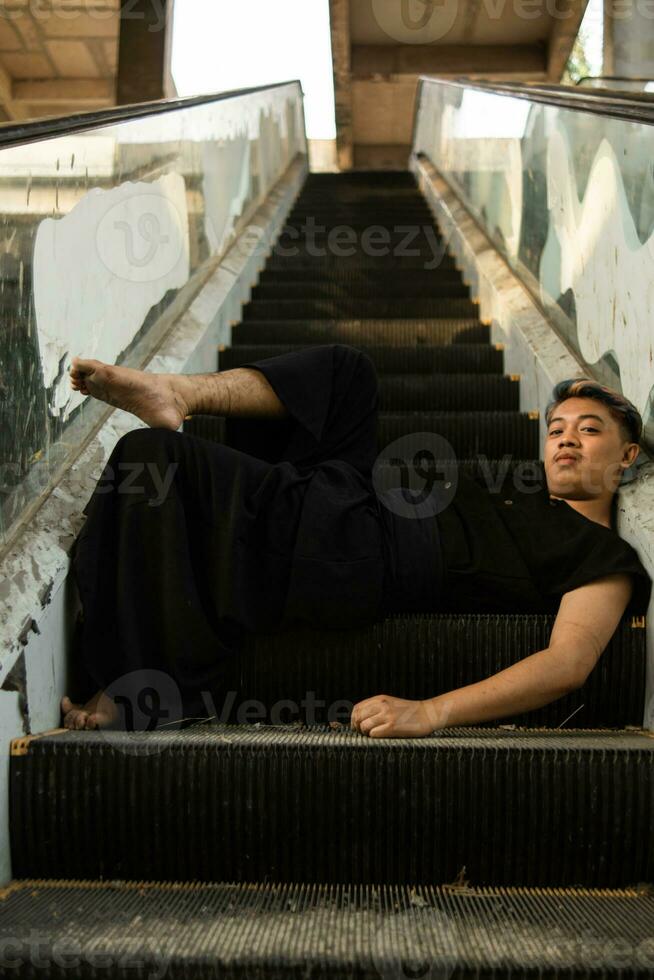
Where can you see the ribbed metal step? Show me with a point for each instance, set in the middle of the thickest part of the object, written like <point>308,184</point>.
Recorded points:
<point>448,393</point>
<point>469,433</point>
<point>326,932</point>
<point>370,180</point>
<point>380,205</point>
<point>358,193</point>
<point>421,332</point>
<point>455,358</point>
<point>444,392</point>
<point>424,251</point>
<point>402,218</point>
<point>491,434</point>
<point>391,289</point>
<point>412,278</point>
<point>394,264</point>
<point>276,803</point>
<point>348,307</point>
<point>420,656</point>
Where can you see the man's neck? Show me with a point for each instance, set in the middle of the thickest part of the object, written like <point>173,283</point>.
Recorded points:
<point>597,509</point>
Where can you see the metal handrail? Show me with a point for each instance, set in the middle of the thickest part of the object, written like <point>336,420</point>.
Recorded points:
<point>32,130</point>
<point>635,107</point>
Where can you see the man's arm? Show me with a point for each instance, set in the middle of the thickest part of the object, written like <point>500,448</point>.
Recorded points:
<point>585,623</point>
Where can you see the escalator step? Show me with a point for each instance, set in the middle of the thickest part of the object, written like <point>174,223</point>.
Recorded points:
<point>348,307</point>
<point>448,393</point>
<point>411,278</point>
<point>492,434</point>
<point>442,392</point>
<point>419,332</point>
<point>391,289</point>
<point>461,358</point>
<point>359,219</point>
<point>420,656</point>
<point>368,179</point>
<point>325,932</point>
<point>423,253</point>
<point>469,433</point>
<point>394,264</point>
<point>279,803</point>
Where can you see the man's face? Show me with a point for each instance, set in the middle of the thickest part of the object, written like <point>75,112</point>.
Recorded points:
<point>584,450</point>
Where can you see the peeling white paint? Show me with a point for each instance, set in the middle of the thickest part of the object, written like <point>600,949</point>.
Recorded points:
<point>100,269</point>
<point>226,185</point>
<point>603,262</point>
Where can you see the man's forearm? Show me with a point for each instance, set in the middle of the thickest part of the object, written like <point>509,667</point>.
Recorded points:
<point>531,683</point>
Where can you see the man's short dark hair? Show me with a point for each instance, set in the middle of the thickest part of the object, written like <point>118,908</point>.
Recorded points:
<point>622,410</point>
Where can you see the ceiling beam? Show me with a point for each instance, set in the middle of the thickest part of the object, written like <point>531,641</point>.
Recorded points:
<point>436,59</point>
<point>71,91</point>
<point>339,19</point>
<point>565,28</point>
<point>11,110</point>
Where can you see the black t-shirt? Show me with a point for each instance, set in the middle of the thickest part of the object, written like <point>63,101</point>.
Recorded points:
<point>513,549</point>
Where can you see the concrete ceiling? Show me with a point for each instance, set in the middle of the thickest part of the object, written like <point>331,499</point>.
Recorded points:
<point>381,47</point>
<point>64,56</point>
<point>58,57</point>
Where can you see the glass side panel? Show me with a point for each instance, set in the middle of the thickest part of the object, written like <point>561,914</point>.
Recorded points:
<point>567,196</point>
<point>103,234</point>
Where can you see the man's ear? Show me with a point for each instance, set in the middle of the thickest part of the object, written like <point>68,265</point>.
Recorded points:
<point>628,458</point>
<point>629,455</point>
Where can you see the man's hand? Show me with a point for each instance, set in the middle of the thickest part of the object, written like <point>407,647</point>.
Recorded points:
<point>384,716</point>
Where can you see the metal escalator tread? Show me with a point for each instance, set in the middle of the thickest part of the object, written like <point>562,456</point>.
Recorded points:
<point>448,392</point>
<point>411,278</point>
<point>420,332</point>
<point>399,654</point>
<point>328,931</point>
<point>392,263</point>
<point>282,803</point>
<point>454,358</point>
<point>349,307</point>
<point>377,213</point>
<point>390,289</point>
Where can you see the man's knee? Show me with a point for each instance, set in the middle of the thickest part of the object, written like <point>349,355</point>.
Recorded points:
<point>145,462</point>
<point>362,373</point>
<point>142,445</point>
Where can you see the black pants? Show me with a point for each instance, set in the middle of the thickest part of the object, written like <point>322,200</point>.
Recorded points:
<point>189,543</point>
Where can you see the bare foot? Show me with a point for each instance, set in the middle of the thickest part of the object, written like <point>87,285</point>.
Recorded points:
<point>99,712</point>
<point>152,397</point>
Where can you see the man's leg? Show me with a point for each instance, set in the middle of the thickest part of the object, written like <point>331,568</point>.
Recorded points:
<point>174,562</point>
<point>163,400</point>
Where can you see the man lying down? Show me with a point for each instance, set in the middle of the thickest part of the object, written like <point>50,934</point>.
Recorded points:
<point>189,543</point>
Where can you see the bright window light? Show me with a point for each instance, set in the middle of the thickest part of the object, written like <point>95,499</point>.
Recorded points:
<point>224,45</point>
